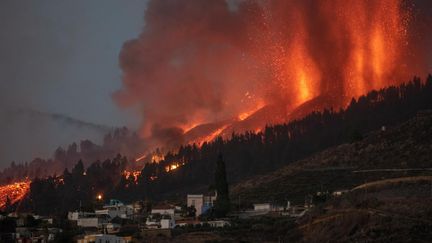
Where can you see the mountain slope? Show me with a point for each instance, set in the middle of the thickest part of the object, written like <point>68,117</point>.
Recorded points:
<point>403,150</point>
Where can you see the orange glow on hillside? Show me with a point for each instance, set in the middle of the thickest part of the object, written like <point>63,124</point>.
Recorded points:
<point>15,191</point>
<point>244,115</point>
<point>135,174</point>
<point>173,166</point>
<point>140,158</point>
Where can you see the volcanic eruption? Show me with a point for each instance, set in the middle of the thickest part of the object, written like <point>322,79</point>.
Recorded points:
<point>201,69</point>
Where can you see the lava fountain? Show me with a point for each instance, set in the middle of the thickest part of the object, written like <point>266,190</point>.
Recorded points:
<point>201,68</point>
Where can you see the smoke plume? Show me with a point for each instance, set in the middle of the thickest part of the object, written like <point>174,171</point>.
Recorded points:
<point>200,62</point>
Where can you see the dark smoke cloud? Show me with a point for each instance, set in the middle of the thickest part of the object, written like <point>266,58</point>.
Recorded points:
<point>64,119</point>
<point>27,133</point>
<point>187,65</point>
<point>205,61</point>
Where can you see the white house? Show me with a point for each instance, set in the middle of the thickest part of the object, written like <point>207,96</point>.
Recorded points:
<point>262,207</point>
<point>267,207</point>
<point>161,217</point>
<point>197,201</point>
<point>74,216</point>
<point>93,222</point>
<point>201,202</point>
<point>163,210</point>
<point>167,223</point>
<point>115,208</point>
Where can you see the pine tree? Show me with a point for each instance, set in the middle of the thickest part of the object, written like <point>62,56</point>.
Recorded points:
<point>78,170</point>
<point>8,204</point>
<point>222,204</point>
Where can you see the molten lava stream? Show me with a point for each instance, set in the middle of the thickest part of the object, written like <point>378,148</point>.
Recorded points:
<point>15,191</point>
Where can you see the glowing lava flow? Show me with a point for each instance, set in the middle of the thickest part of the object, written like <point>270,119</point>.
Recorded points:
<point>156,158</point>
<point>140,158</point>
<point>173,166</point>
<point>213,135</point>
<point>244,115</point>
<point>135,174</point>
<point>15,191</point>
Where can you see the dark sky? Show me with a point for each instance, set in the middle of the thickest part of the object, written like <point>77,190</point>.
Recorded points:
<point>60,57</point>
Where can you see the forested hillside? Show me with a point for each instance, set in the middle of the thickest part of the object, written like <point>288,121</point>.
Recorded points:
<point>246,155</point>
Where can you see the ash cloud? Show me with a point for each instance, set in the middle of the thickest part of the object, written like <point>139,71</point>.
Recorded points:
<point>187,66</point>
<point>200,61</point>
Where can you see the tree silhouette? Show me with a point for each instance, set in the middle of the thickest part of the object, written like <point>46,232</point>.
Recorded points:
<point>222,204</point>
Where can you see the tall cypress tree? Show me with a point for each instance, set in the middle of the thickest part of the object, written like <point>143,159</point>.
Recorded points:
<point>222,204</point>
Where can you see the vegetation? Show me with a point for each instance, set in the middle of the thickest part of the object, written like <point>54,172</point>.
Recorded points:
<point>401,151</point>
<point>245,155</point>
<point>222,204</point>
<point>251,154</point>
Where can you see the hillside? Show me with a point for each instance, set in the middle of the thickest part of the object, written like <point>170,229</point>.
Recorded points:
<point>191,168</point>
<point>395,212</point>
<point>402,150</point>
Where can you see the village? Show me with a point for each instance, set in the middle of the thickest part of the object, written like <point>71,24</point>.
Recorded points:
<point>116,222</point>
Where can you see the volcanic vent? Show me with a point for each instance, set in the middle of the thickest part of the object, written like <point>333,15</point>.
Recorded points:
<point>200,69</point>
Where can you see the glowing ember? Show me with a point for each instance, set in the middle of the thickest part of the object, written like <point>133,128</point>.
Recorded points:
<point>135,174</point>
<point>173,166</point>
<point>156,158</point>
<point>212,135</point>
<point>140,158</point>
<point>15,191</point>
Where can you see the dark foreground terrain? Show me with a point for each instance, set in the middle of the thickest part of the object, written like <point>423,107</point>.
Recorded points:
<point>387,184</point>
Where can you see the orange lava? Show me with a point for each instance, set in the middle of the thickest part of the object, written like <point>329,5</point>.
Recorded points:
<point>292,53</point>
<point>212,135</point>
<point>135,174</point>
<point>244,115</point>
<point>140,158</point>
<point>15,191</point>
<point>173,166</point>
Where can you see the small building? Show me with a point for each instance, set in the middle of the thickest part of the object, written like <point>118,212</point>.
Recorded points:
<point>163,210</point>
<point>116,208</point>
<point>262,207</point>
<point>339,192</point>
<point>167,223</point>
<point>196,201</point>
<point>161,217</point>
<point>74,216</point>
<point>201,202</point>
<point>267,207</point>
<point>92,221</point>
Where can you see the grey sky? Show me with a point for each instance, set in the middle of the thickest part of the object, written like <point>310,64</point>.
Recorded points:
<point>62,57</point>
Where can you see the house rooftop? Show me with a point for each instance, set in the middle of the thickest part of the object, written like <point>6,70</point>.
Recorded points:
<point>163,206</point>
